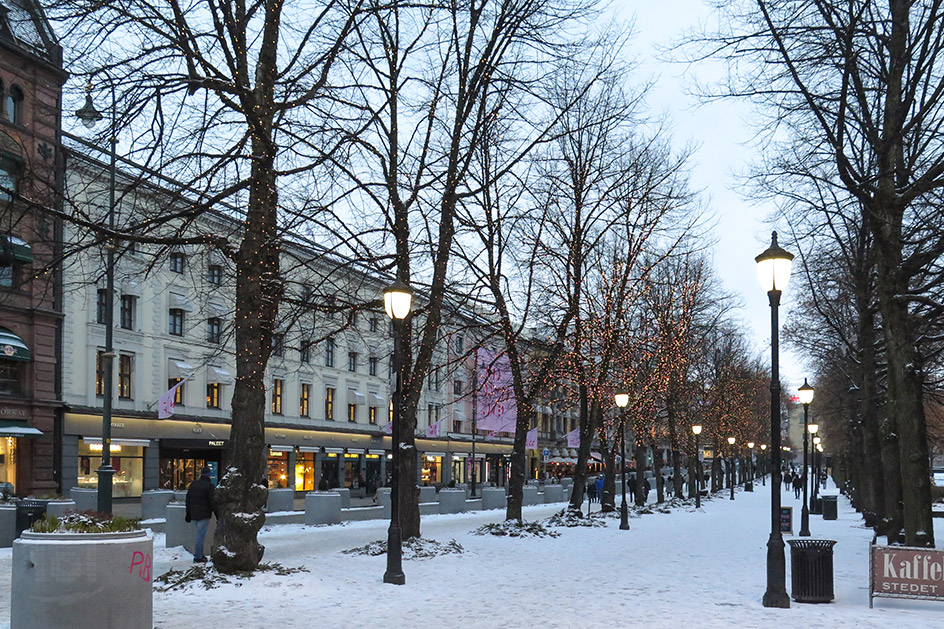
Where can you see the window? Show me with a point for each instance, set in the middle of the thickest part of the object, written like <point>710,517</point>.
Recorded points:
<point>10,377</point>
<point>214,330</point>
<point>215,274</point>
<point>127,312</point>
<point>176,325</point>
<point>329,403</point>
<point>329,353</point>
<point>352,361</point>
<point>372,365</point>
<point>390,367</point>
<point>101,306</point>
<point>372,415</point>
<point>213,395</point>
<point>125,375</point>
<point>457,387</point>
<point>352,413</point>
<point>277,385</point>
<point>460,343</point>
<point>304,352</point>
<point>542,417</point>
<point>177,260</point>
<point>278,344</point>
<point>14,105</point>
<point>303,399</point>
<point>456,425</point>
<point>179,392</point>
<point>6,266</point>
<point>434,379</point>
<point>7,179</point>
<point>374,324</point>
<point>100,373</point>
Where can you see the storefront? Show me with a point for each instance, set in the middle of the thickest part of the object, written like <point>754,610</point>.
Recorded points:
<point>353,477</point>
<point>305,468</point>
<point>127,458</point>
<point>330,466</point>
<point>277,465</point>
<point>431,472</point>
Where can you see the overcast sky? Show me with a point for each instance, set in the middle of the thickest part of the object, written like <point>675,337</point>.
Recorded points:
<point>722,132</point>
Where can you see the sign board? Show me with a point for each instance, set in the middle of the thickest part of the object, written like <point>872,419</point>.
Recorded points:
<point>786,520</point>
<point>619,459</point>
<point>906,572</point>
<point>546,453</point>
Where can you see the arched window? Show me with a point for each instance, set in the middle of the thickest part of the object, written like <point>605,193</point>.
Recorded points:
<point>14,104</point>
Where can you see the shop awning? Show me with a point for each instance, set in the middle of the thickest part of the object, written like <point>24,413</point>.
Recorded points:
<point>131,287</point>
<point>179,369</point>
<point>182,302</point>
<point>131,443</point>
<point>354,397</point>
<point>375,400</point>
<point>281,448</point>
<point>218,375</point>
<point>309,448</point>
<point>440,454</point>
<point>18,429</point>
<point>12,347</point>
<point>18,249</point>
<point>355,450</point>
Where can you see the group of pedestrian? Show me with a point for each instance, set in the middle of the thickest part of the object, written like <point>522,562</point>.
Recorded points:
<point>793,478</point>
<point>595,489</point>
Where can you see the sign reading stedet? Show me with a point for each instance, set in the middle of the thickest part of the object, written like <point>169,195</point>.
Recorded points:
<point>906,572</point>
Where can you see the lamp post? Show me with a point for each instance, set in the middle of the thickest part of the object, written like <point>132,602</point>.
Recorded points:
<point>622,400</point>
<point>731,478</point>
<point>763,466</point>
<point>398,299</point>
<point>773,271</point>
<point>806,396</point>
<point>696,430</point>
<point>749,474</point>
<point>106,473</point>
<point>817,441</point>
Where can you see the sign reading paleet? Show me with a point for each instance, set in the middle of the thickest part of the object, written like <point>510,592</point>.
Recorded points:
<point>906,572</point>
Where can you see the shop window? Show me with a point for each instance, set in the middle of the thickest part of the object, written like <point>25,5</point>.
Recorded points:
<point>305,471</point>
<point>352,413</point>
<point>278,470</point>
<point>176,322</point>
<point>352,361</point>
<point>10,373</point>
<point>215,274</point>
<point>304,352</point>
<point>101,306</point>
<point>127,311</point>
<point>372,415</point>
<point>213,395</point>
<point>214,330</point>
<point>100,362</point>
<point>277,386</point>
<point>372,365</point>
<point>177,262</point>
<point>14,105</point>
<point>179,392</point>
<point>329,403</point>
<point>329,353</point>
<point>128,461</point>
<point>304,398</point>
<point>278,345</point>
<point>125,376</point>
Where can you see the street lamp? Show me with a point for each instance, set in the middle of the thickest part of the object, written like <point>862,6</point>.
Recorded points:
<point>106,473</point>
<point>398,299</point>
<point>696,430</point>
<point>731,476</point>
<point>806,396</point>
<point>773,271</point>
<point>622,400</point>
<point>749,474</point>
<point>763,472</point>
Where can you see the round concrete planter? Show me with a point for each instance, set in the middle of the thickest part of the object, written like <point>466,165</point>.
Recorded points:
<point>85,499</point>
<point>82,580</point>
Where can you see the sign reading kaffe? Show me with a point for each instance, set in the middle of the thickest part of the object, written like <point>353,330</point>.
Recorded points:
<point>906,572</point>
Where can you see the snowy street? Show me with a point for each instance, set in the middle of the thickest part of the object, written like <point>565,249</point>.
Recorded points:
<point>705,568</point>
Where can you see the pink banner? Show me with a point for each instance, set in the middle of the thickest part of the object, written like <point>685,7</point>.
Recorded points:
<point>497,411</point>
<point>531,439</point>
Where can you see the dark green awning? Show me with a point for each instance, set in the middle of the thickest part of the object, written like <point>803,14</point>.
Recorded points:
<point>12,347</point>
<point>18,249</point>
<point>12,428</point>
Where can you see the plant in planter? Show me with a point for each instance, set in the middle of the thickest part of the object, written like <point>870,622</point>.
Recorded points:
<point>82,569</point>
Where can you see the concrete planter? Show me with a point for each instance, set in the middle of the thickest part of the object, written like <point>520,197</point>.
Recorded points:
<point>451,500</point>
<point>180,495</point>
<point>7,524</point>
<point>85,499</point>
<point>66,580</point>
<point>323,507</point>
<point>345,494</point>
<point>383,498</point>
<point>427,494</point>
<point>567,482</point>
<point>280,500</point>
<point>529,496</point>
<point>154,502</point>
<point>179,532</point>
<point>494,498</point>
<point>553,493</point>
<point>59,508</point>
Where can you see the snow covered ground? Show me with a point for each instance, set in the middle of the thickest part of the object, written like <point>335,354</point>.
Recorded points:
<point>705,567</point>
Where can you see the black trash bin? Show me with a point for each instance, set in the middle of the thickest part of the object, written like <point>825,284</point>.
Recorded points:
<point>811,563</point>
<point>27,512</point>
<point>830,507</point>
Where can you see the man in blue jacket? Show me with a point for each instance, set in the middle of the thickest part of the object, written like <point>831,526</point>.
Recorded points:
<point>200,509</point>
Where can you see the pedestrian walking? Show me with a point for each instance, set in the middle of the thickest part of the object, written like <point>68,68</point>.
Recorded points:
<point>787,480</point>
<point>599,487</point>
<point>592,491</point>
<point>199,509</point>
<point>797,485</point>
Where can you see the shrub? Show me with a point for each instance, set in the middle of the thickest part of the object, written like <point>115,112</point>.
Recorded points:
<point>87,522</point>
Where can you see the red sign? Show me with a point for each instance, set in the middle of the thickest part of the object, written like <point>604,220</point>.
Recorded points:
<point>906,572</point>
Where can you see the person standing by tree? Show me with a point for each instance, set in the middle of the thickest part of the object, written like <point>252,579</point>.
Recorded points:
<point>200,509</point>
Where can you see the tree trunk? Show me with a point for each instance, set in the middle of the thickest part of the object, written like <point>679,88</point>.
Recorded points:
<point>608,499</point>
<point>583,452</point>
<point>641,495</point>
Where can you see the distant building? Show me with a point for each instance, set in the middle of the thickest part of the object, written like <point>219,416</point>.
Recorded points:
<point>31,79</point>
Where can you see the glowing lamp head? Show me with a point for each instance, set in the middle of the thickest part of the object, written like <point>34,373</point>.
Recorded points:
<point>817,440</point>
<point>731,440</point>
<point>805,392</point>
<point>398,299</point>
<point>696,429</point>
<point>773,266</point>
<point>750,444</point>
<point>763,446</point>
<point>813,428</point>
<point>621,398</point>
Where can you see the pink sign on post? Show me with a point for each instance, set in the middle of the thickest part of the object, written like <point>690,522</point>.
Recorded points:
<point>497,411</point>
<point>906,572</point>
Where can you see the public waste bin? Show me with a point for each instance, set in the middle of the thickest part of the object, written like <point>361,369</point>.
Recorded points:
<point>811,563</point>
<point>27,512</point>
<point>830,507</point>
